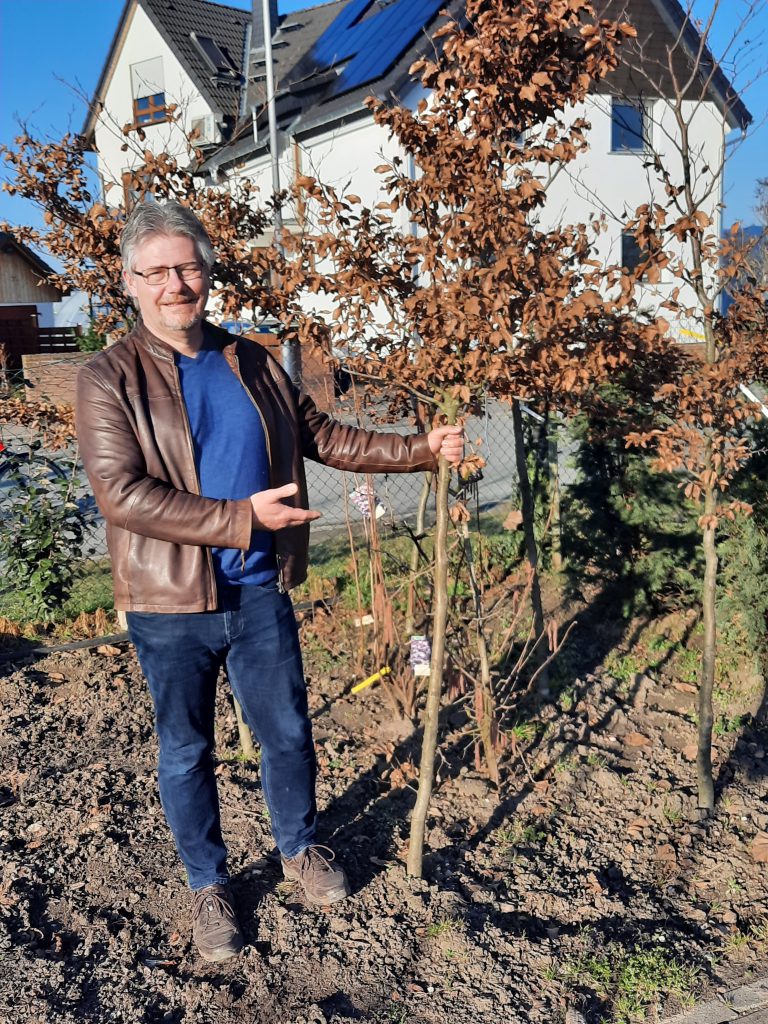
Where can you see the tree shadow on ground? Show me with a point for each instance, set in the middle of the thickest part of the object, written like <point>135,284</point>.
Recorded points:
<point>16,651</point>
<point>370,819</point>
<point>364,814</point>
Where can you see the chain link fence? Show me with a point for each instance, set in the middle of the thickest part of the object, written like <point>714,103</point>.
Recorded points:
<point>26,465</point>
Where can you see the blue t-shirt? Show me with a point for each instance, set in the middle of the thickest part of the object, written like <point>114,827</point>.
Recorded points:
<point>230,454</point>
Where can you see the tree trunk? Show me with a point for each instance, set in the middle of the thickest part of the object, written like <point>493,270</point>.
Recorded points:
<point>244,733</point>
<point>554,480</point>
<point>435,687</point>
<point>707,682</point>
<point>421,512</point>
<point>526,499</point>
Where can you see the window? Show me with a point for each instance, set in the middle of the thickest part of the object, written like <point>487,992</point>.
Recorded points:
<point>148,90</point>
<point>217,58</point>
<point>632,255</point>
<point>629,127</point>
<point>149,109</point>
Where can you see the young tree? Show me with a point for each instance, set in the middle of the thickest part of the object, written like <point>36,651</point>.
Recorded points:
<point>450,289</point>
<point>702,434</point>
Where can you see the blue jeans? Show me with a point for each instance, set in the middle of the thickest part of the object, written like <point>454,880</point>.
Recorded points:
<point>254,636</point>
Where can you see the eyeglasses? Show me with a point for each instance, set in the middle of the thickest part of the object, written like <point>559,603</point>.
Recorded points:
<point>160,275</point>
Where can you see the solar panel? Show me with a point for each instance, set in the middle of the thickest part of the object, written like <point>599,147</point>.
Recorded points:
<point>369,46</point>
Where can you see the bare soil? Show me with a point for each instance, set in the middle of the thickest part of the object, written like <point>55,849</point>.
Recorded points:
<point>594,846</point>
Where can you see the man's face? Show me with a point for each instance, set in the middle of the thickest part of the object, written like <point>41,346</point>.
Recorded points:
<point>174,309</point>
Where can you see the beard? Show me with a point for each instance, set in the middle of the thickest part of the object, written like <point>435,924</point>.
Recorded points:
<point>180,316</point>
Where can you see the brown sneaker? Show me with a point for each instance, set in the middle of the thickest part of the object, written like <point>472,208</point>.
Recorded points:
<point>215,930</point>
<point>321,881</point>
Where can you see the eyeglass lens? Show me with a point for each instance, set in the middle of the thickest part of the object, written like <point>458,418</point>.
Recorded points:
<point>159,275</point>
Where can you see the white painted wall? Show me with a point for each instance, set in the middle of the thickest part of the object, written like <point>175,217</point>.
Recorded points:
<point>72,310</point>
<point>599,182</point>
<point>45,316</point>
<point>142,41</point>
<point>613,184</point>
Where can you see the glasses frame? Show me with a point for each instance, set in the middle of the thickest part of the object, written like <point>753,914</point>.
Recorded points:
<point>195,276</point>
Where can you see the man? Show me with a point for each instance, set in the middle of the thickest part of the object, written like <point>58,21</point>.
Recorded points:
<point>193,442</point>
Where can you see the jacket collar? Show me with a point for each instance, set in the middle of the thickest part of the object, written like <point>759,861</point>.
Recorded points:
<point>225,341</point>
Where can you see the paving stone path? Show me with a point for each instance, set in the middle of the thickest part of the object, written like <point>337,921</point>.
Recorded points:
<point>747,1004</point>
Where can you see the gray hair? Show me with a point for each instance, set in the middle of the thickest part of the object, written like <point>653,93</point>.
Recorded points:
<point>148,219</point>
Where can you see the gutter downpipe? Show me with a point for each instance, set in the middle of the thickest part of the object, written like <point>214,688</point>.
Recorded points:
<point>290,350</point>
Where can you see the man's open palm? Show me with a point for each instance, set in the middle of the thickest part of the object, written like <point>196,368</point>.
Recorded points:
<point>269,512</point>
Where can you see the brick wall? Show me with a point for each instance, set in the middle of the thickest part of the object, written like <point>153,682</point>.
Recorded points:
<point>51,375</point>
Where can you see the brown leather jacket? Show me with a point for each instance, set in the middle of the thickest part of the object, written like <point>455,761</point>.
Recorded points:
<point>136,447</point>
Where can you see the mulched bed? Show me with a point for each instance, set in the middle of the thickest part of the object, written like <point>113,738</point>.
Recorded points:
<point>593,845</point>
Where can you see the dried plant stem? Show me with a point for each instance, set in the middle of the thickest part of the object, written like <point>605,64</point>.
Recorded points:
<point>360,646</point>
<point>526,500</point>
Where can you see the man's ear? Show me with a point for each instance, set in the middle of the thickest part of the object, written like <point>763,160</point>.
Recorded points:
<point>130,284</point>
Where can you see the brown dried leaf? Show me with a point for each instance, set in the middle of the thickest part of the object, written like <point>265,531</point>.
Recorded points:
<point>108,650</point>
<point>514,520</point>
<point>459,513</point>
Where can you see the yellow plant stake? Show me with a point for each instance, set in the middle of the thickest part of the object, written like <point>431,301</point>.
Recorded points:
<point>371,679</point>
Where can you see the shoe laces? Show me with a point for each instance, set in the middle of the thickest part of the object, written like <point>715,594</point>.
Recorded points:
<point>319,860</point>
<point>211,903</point>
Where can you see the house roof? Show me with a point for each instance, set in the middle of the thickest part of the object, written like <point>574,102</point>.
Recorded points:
<point>327,59</point>
<point>735,111</point>
<point>175,20</point>
<point>311,91</point>
<point>296,35</point>
<point>10,244</point>
<point>314,87</point>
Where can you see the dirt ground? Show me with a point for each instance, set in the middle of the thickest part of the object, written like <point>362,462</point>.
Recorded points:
<point>531,902</point>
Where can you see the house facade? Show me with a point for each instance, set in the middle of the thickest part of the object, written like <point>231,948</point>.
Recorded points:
<point>172,68</point>
<point>329,58</point>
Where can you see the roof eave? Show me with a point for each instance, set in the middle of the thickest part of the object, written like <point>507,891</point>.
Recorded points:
<point>728,100</point>
<point>94,107</point>
<point>36,262</point>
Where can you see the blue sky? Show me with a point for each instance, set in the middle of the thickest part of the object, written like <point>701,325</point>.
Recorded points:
<point>47,47</point>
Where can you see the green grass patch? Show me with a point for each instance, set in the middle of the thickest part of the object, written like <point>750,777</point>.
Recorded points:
<point>632,983</point>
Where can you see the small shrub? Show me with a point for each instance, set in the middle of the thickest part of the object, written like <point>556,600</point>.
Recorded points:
<point>90,340</point>
<point>41,541</point>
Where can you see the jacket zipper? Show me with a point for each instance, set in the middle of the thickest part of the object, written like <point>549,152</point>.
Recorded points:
<point>280,580</point>
<point>209,556</point>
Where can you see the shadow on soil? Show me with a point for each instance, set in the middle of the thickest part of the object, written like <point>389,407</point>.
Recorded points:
<point>369,824</point>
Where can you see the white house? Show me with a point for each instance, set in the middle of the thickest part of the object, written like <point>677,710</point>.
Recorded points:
<point>329,58</point>
<point>185,58</point>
